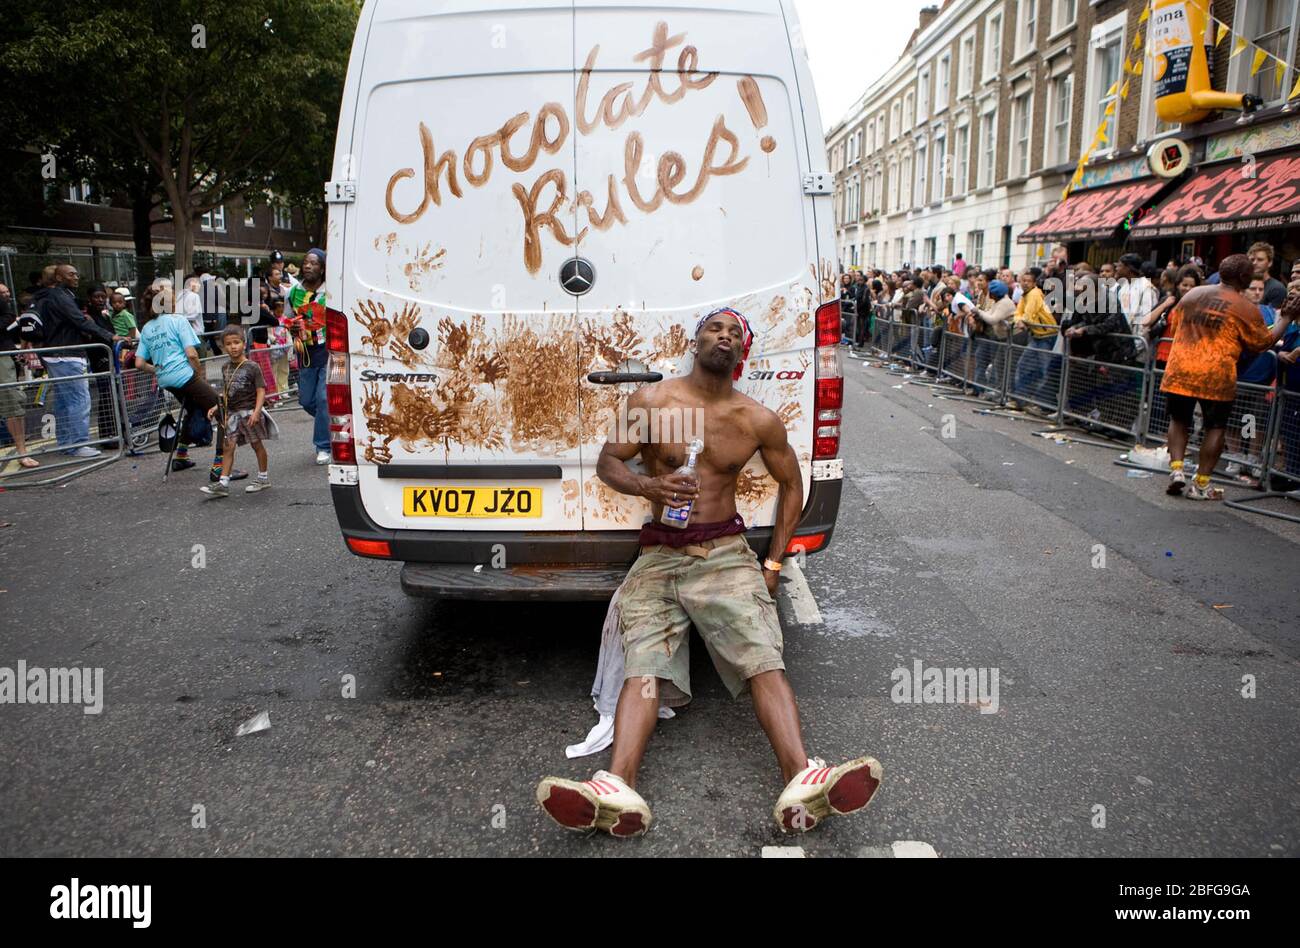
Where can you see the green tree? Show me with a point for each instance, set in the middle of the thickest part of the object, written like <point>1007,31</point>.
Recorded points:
<point>188,102</point>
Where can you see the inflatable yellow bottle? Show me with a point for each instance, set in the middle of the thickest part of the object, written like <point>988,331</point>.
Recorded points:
<point>1181,49</point>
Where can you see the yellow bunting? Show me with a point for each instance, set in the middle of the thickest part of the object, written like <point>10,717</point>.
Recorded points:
<point>1294,92</point>
<point>1146,15</point>
<point>1123,92</point>
<point>1223,31</point>
<point>1137,68</point>
<point>1111,90</point>
<point>1238,47</point>
<point>1258,61</point>
<point>1279,73</point>
<point>1110,109</point>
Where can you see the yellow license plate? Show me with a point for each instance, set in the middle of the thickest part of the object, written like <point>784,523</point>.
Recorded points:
<point>485,502</point>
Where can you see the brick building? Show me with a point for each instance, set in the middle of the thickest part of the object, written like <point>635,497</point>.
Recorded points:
<point>972,135</point>
<point>73,222</point>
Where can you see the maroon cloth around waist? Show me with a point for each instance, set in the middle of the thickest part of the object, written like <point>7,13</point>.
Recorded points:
<point>656,534</point>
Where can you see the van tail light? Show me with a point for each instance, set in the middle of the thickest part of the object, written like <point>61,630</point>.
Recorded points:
<point>828,399</point>
<point>810,543</point>
<point>338,389</point>
<point>378,549</point>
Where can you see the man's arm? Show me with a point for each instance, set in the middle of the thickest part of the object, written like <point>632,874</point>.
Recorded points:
<point>67,309</point>
<point>783,465</point>
<point>669,491</point>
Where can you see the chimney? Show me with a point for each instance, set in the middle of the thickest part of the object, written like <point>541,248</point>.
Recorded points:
<point>928,15</point>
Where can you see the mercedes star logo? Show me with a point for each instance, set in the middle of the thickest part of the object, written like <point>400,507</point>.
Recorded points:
<point>577,276</point>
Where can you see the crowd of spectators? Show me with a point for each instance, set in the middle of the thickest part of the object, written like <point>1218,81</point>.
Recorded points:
<point>1124,313</point>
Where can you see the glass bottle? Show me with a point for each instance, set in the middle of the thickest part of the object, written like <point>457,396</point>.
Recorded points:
<point>679,517</point>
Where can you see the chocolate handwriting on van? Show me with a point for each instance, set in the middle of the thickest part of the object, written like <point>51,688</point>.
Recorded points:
<point>551,128</point>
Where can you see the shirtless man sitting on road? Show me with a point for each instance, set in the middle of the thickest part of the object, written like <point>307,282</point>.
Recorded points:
<point>708,576</point>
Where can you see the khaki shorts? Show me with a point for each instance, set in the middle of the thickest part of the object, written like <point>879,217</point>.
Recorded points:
<point>717,586</point>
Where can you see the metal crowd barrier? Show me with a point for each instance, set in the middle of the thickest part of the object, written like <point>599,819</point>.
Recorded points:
<point>109,406</point>
<point>1123,398</point>
<point>1281,458</point>
<point>1107,394</point>
<point>57,411</point>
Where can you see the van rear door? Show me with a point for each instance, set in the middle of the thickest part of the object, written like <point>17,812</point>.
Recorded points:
<point>691,146</point>
<point>464,347</point>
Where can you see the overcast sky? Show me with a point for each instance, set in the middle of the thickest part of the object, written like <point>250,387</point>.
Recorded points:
<point>851,43</point>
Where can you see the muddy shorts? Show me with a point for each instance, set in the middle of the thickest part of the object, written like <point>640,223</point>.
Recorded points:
<point>717,586</point>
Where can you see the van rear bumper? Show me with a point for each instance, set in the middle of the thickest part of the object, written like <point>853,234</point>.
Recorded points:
<point>538,565</point>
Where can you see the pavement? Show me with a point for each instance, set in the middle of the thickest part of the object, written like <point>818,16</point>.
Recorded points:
<point>1119,726</point>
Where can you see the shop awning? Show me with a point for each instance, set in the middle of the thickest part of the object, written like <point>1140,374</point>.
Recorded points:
<point>1229,198</point>
<point>1087,215</point>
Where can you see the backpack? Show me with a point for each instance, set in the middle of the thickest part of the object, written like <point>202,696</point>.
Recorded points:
<point>29,326</point>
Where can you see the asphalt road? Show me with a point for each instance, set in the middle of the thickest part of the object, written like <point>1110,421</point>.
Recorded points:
<point>1119,687</point>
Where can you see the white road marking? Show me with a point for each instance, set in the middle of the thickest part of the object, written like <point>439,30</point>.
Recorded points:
<point>911,849</point>
<point>899,849</point>
<point>783,852</point>
<point>801,597</point>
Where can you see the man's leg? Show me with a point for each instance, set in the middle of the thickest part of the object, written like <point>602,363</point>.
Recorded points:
<point>634,722</point>
<point>1177,437</point>
<point>320,433</point>
<point>1211,451</point>
<point>778,714</point>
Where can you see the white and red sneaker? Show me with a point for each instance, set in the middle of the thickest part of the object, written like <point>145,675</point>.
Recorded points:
<point>604,802</point>
<point>817,791</point>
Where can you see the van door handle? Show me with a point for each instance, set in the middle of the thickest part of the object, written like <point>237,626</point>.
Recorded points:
<point>618,378</point>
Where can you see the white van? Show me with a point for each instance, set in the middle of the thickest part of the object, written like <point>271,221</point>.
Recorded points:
<point>532,205</point>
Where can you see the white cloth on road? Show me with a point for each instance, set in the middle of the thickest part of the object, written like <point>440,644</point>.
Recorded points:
<point>608,684</point>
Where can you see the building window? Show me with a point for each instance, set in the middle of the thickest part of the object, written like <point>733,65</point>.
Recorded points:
<point>975,248</point>
<point>214,220</point>
<point>922,177</point>
<point>952,249</point>
<point>993,45</point>
<point>79,192</point>
<point>898,253</point>
<point>893,186</point>
<point>1021,120</point>
<point>961,160</point>
<point>931,250</point>
<point>871,255</point>
<point>249,220</point>
<point>923,95</point>
<point>966,66</point>
<point>895,112</point>
<point>1026,26</point>
<point>1062,103</point>
<point>283,218</point>
<point>911,251</point>
<point>988,149</point>
<point>1105,62</point>
<point>940,167</point>
<point>1064,13</point>
<point>1270,25</point>
<point>880,131</point>
<point>904,185</point>
<point>942,82</point>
